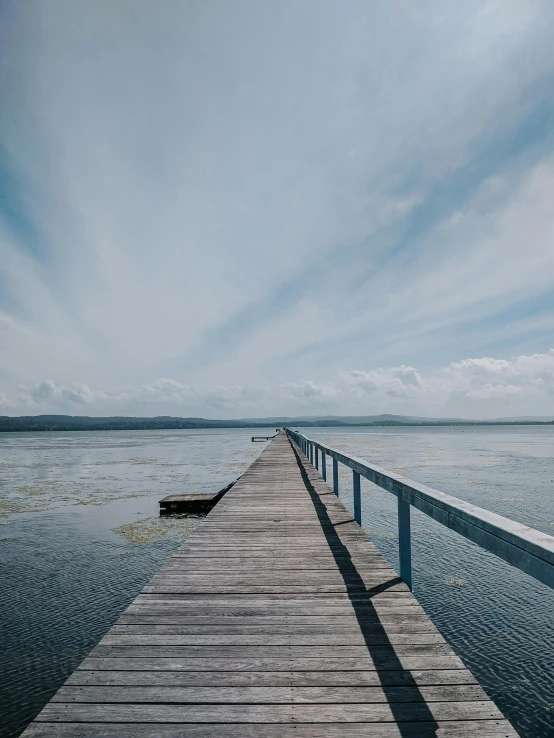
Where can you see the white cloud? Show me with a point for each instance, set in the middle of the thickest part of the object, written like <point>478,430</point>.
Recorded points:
<point>401,382</point>
<point>51,394</point>
<point>478,387</point>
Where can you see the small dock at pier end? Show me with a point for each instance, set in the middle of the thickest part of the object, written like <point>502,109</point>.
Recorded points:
<point>278,617</point>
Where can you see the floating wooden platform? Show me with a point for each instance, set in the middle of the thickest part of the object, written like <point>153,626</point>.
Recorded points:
<point>193,502</point>
<point>277,618</point>
<point>261,438</point>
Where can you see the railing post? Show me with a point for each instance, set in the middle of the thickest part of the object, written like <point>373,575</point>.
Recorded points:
<point>357,498</point>
<point>323,464</point>
<point>312,454</point>
<point>405,542</point>
<point>316,457</point>
<point>335,476</point>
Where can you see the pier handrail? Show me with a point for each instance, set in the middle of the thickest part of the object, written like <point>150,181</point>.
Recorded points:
<point>524,547</point>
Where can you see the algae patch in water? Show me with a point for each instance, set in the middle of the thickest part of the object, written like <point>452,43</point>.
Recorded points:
<point>142,532</point>
<point>455,582</point>
<point>9,507</point>
<point>151,530</point>
<point>49,494</point>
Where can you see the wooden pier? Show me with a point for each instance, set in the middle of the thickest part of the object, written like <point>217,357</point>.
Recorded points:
<point>277,618</point>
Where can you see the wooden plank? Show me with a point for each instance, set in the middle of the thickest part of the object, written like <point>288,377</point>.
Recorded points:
<point>226,567</point>
<point>369,599</point>
<point>265,639</point>
<point>458,729</point>
<point>266,574</point>
<point>288,713</point>
<point>193,632</point>
<point>352,619</point>
<point>257,652</point>
<point>268,695</point>
<point>232,611</point>
<point>359,678</point>
<point>258,589</point>
<point>367,662</point>
<point>377,593</point>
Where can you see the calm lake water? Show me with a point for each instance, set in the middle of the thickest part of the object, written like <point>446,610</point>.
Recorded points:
<point>80,536</point>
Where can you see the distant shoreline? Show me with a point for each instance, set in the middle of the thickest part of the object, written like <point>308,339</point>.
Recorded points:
<point>49,423</point>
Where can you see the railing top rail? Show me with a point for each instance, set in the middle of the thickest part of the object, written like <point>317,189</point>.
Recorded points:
<point>529,549</point>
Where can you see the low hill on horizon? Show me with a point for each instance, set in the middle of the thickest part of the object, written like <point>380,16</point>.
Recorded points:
<point>33,423</point>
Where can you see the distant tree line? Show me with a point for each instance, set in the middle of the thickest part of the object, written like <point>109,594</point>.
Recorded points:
<point>31,423</point>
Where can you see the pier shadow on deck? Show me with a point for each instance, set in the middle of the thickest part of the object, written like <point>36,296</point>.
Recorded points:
<point>370,624</point>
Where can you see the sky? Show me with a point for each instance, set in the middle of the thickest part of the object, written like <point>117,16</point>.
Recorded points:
<point>238,208</point>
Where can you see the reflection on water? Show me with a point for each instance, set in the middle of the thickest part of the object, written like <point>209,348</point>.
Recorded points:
<point>499,620</point>
<point>80,535</point>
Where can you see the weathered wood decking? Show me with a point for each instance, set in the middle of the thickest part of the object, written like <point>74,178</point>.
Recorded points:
<point>277,618</point>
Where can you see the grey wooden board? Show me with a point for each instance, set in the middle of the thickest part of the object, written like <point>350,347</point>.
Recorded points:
<point>360,678</point>
<point>226,634</point>
<point>246,589</point>
<point>227,567</point>
<point>286,600</point>
<point>267,599</point>
<point>279,579</point>
<point>175,663</point>
<point>274,623</point>
<point>346,638</point>
<point>306,576</point>
<point>248,713</point>
<point>295,603</point>
<point>249,610</point>
<point>256,652</point>
<point>276,616</point>
<point>390,615</point>
<point>268,695</point>
<point>458,729</point>
<point>254,589</point>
